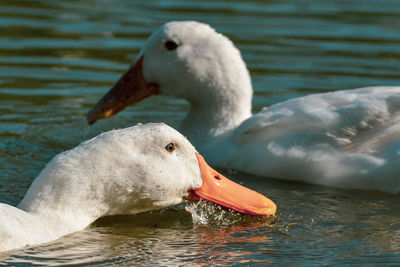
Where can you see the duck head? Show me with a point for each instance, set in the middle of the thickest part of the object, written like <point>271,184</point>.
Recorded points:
<point>132,170</point>
<point>188,60</point>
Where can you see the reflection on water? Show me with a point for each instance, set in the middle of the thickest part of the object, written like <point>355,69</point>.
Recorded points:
<point>159,237</point>
<point>57,58</point>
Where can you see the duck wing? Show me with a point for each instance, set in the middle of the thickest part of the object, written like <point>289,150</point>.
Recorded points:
<point>344,138</point>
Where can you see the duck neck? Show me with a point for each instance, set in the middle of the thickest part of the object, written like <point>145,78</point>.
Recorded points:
<point>60,199</point>
<point>62,216</point>
<point>211,117</point>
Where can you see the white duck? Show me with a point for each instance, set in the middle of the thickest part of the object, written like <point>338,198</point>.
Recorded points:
<point>126,171</point>
<point>347,139</point>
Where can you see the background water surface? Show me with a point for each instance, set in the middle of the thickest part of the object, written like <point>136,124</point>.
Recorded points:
<point>57,58</point>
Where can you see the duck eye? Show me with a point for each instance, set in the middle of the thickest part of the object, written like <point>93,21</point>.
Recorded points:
<point>170,147</point>
<point>170,45</point>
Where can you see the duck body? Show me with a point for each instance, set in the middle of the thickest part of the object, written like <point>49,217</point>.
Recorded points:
<point>19,228</point>
<point>121,172</point>
<point>346,139</point>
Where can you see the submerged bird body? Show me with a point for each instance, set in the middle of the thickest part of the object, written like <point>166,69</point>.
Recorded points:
<point>125,171</point>
<point>347,139</point>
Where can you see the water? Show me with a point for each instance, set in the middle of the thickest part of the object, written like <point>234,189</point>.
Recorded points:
<point>57,58</point>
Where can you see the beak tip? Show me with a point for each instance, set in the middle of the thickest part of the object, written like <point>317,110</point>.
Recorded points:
<point>90,118</point>
<point>269,207</point>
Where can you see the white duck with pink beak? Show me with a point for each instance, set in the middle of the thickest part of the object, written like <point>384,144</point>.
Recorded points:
<point>346,139</point>
<point>127,171</point>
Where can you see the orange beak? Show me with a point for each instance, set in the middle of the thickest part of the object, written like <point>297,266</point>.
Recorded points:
<point>129,89</point>
<point>220,190</point>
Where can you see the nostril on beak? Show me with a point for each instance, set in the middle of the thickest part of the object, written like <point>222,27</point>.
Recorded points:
<point>217,177</point>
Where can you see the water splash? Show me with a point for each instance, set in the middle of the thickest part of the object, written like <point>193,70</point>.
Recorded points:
<point>207,213</point>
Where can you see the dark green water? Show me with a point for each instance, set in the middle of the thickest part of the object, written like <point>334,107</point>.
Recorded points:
<point>57,58</point>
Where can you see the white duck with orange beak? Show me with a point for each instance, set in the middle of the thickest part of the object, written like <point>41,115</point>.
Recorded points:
<point>346,139</point>
<point>127,171</point>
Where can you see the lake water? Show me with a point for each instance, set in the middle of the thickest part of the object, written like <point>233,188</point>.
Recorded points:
<point>57,58</point>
